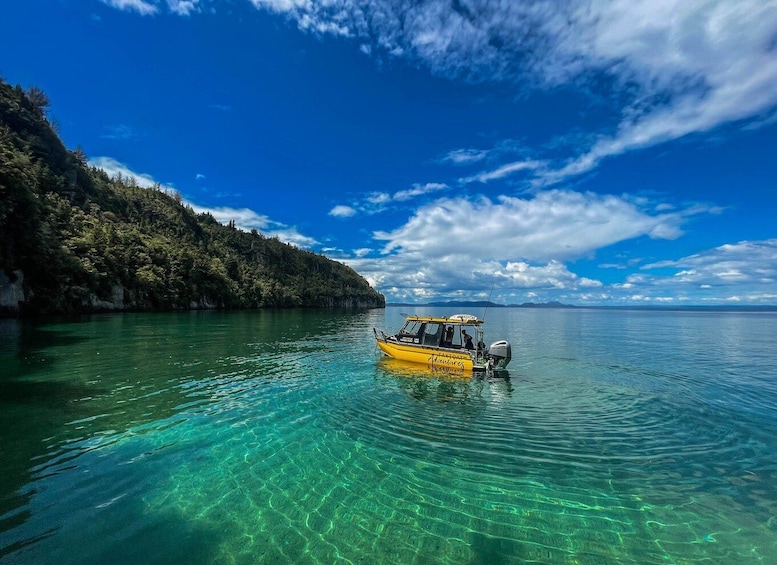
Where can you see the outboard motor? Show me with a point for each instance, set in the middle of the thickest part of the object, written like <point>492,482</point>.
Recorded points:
<point>500,353</point>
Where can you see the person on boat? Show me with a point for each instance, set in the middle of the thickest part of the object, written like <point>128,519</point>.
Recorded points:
<point>467,340</point>
<point>448,340</point>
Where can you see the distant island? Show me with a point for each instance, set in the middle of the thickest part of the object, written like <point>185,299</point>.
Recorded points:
<point>73,240</point>
<point>482,304</point>
<point>556,304</point>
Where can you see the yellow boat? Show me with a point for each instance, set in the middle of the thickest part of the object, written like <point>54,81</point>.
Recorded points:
<point>454,342</point>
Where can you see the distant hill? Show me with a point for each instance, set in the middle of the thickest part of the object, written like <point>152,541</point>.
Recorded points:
<point>466,304</point>
<point>451,303</point>
<point>73,240</point>
<point>552,304</point>
<point>555,304</point>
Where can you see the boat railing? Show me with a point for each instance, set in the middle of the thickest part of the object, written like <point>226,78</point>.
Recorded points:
<point>382,335</point>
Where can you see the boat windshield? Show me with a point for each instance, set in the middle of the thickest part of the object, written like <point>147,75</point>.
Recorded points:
<point>442,332</point>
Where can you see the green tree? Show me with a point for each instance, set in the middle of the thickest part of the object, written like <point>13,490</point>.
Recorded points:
<point>39,100</point>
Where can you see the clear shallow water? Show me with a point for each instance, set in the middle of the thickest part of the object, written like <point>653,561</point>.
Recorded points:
<point>282,437</point>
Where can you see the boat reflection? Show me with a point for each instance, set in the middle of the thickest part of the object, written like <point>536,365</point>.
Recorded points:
<point>428,382</point>
<point>399,367</point>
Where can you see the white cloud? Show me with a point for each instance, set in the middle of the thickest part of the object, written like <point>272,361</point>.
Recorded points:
<point>554,274</point>
<point>309,15</point>
<point>150,7</point>
<point>376,202</point>
<point>410,277</point>
<point>341,211</point>
<point>247,220</point>
<point>504,171</point>
<point>244,218</point>
<point>418,190</point>
<point>552,225</point>
<point>751,263</point>
<point>743,272</point>
<point>183,7</point>
<point>697,65</point>
<point>115,168</point>
<point>140,6</point>
<point>465,156</point>
<point>292,236</point>
<point>283,5</point>
<point>378,198</point>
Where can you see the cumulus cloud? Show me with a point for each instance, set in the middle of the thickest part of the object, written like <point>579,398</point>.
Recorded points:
<point>517,245</point>
<point>743,263</point>
<point>411,277</point>
<point>743,273</point>
<point>341,211</point>
<point>551,225</point>
<point>737,273</point>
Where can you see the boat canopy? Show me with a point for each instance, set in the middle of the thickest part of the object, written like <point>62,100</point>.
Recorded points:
<point>456,319</point>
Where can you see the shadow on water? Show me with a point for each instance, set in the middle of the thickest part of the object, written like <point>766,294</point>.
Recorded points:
<point>26,347</point>
<point>59,396</point>
<point>33,403</point>
<point>166,539</point>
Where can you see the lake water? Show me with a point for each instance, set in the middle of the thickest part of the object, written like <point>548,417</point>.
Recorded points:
<point>282,437</point>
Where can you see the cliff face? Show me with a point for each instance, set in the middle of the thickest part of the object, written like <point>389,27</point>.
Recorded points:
<point>74,240</point>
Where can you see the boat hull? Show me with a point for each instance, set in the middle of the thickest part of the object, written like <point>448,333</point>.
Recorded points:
<point>432,356</point>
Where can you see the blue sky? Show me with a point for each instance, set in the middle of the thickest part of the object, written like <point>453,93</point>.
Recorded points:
<point>603,153</point>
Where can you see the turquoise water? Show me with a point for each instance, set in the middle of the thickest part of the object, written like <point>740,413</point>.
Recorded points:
<point>282,437</point>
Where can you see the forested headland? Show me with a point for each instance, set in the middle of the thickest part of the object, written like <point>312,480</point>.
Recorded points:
<point>74,240</point>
